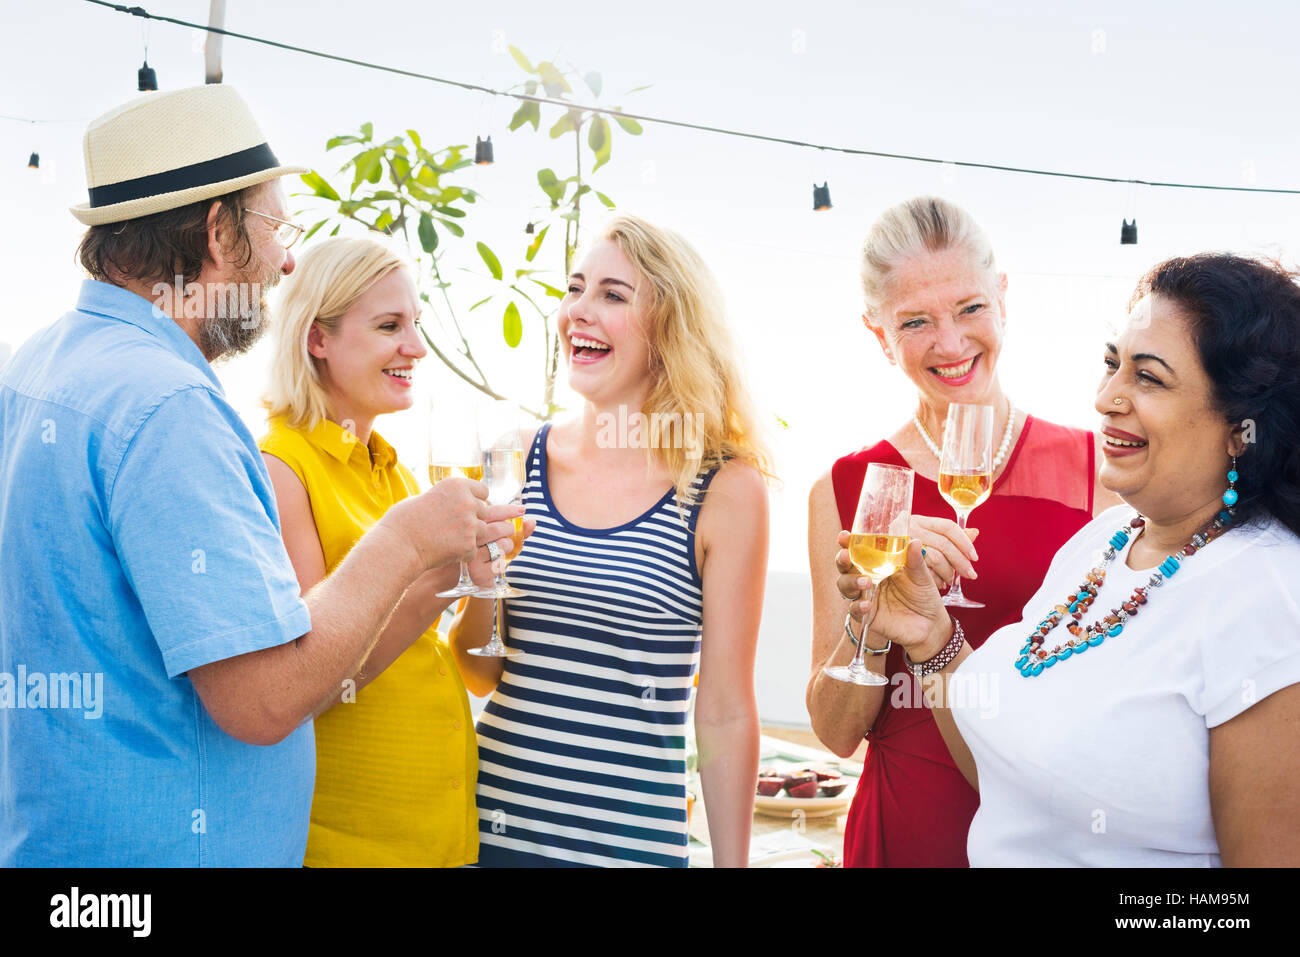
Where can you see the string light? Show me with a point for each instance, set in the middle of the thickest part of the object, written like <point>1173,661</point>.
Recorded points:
<point>1128,233</point>
<point>662,121</point>
<point>35,161</point>
<point>146,78</point>
<point>821,197</point>
<point>483,151</point>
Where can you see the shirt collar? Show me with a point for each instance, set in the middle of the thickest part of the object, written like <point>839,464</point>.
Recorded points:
<point>114,302</point>
<point>342,444</point>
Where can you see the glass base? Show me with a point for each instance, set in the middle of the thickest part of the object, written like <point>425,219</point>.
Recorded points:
<point>858,675</point>
<point>500,651</point>
<point>961,601</point>
<point>505,591</point>
<point>460,591</point>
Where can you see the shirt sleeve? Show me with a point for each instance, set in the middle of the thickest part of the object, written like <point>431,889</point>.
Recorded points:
<point>193,518</point>
<point>1251,642</point>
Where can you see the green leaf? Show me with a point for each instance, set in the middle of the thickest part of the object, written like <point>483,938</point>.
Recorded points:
<point>530,87</point>
<point>629,124</point>
<point>528,112</point>
<point>428,234</point>
<point>550,290</point>
<point>368,167</point>
<point>536,244</point>
<point>401,169</point>
<point>453,228</point>
<point>334,141</point>
<point>489,257</point>
<point>638,89</point>
<point>367,131</point>
<point>553,80</point>
<point>415,138</point>
<point>521,60</point>
<point>551,186</point>
<point>384,221</point>
<point>427,175</point>
<point>319,186</point>
<point>609,203</point>
<point>312,232</point>
<point>567,123</point>
<point>512,325</point>
<point>451,211</point>
<point>479,303</point>
<point>599,141</point>
<point>593,82</point>
<point>335,230</point>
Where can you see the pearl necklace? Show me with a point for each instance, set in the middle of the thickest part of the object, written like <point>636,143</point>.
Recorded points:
<point>1034,658</point>
<point>1002,449</point>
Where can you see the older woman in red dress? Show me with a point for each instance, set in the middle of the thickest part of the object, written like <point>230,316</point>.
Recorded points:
<point>935,304</point>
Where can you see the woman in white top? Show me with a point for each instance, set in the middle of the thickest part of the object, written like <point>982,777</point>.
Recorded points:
<point>1143,711</point>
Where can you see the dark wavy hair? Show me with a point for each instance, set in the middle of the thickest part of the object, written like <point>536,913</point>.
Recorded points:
<point>1245,320</point>
<point>161,246</point>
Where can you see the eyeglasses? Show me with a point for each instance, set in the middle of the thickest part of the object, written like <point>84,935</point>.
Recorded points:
<point>288,233</point>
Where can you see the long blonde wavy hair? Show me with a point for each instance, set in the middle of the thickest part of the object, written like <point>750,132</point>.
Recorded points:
<point>692,355</point>
<point>329,278</point>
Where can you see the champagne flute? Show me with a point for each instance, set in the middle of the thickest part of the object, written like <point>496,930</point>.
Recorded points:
<point>877,547</point>
<point>454,449</point>
<point>966,473</point>
<point>503,472</point>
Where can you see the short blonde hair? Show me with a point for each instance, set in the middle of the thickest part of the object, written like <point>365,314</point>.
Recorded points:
<point>920,224</point>
<point>692,356</point>
<point>328,279</point>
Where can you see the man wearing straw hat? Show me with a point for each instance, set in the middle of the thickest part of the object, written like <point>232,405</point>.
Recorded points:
<point>158,667</point>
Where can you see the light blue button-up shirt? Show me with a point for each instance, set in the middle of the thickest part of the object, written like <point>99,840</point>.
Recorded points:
<point>139,538</point>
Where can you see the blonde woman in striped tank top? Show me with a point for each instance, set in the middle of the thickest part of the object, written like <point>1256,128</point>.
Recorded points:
<point>647,565</point>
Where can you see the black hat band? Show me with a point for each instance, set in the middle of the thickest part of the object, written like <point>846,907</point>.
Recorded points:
<point>255,159</point>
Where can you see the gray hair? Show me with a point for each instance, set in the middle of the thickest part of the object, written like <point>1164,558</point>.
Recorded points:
<point>920,224</point>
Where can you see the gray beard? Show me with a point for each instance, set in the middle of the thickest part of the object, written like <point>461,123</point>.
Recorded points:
<point>224,337</point>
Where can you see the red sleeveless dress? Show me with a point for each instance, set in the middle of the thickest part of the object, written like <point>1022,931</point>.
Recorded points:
<point>912,807</point>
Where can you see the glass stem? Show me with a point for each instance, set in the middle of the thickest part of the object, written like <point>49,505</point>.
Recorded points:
<point>955,590</point>
<point>465,581</point>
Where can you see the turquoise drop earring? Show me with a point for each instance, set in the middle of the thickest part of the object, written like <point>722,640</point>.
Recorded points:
<point>1230,496</point>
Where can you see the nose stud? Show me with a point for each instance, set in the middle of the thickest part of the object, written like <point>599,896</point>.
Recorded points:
<point>1118,400</point>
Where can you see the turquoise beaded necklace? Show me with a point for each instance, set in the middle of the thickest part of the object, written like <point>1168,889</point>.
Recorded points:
<point>1035,658</point>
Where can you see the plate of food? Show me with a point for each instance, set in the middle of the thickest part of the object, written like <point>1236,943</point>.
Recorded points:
<point>814,791</point>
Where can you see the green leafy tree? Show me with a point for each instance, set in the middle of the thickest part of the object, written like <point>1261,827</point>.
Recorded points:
<point>400,187</point>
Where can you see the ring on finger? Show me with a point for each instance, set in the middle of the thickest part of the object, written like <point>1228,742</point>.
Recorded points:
<point>494,551</point>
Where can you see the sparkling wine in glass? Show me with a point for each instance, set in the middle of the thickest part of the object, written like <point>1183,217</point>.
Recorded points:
<point>966,472</point>
<point>877,546</point>
<point>454,450</point>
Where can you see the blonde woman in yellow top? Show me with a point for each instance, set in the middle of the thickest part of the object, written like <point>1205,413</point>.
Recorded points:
<point>396,761</point>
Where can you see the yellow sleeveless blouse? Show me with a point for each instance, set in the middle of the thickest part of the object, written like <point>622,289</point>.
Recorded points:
<point>396,769</point>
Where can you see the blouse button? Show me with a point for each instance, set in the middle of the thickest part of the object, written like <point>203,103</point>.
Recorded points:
<point>455,725</point>
<point>455,784</point>
<point>442,669</point>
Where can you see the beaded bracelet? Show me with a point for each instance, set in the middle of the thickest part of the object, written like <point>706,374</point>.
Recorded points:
<point>866,649</point>
<point>939,661</point>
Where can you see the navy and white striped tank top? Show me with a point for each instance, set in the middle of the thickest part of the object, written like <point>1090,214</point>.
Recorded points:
<point>582,747</point>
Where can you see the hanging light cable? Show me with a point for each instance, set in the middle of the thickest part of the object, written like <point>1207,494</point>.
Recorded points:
<point>146,77</point>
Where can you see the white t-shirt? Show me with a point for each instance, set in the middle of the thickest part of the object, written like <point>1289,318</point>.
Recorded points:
<point>1103,758</point>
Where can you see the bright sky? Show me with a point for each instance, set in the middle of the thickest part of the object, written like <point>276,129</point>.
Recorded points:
<point>1188,91</point>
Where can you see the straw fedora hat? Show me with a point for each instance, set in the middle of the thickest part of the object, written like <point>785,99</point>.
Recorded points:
<point>165,150</point>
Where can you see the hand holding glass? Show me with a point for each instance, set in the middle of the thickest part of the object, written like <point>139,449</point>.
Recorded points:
<point>877,547</point>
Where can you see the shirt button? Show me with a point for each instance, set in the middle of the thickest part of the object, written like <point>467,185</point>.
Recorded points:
<point>442,669</point>
<point>455,725</point>
<point>455,784</point>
